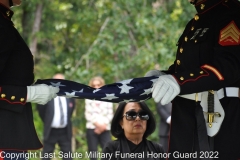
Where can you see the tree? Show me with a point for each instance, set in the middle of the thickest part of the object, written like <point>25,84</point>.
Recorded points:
<point>118,40</point>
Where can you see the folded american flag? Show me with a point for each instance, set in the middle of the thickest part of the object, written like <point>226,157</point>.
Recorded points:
<point>130,90</point>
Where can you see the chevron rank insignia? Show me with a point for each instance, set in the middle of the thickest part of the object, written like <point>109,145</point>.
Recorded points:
<point>230,35</point>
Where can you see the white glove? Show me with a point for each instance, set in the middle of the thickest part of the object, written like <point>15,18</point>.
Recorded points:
<point>165,89</point>
<point>41,93</point>
<point>154,73</point>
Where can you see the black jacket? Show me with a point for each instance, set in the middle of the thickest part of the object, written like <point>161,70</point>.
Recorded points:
<point>16,72</point>
<point>121,146</point>
<point>208,50</point>
<point>46,112</point>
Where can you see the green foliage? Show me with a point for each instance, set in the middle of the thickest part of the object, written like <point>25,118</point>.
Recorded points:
<point>117,40</point>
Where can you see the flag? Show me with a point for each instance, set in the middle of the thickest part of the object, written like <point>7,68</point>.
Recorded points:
<point>130,90</point>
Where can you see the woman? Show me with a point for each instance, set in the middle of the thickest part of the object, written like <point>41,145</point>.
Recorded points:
<point>132,123</point>
<point>98,115</point>
<point>17,133</point>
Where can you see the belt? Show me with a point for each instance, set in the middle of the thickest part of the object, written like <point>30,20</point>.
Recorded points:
<point>206,133</point>
<point>202,97</point>
<point>230,92</point>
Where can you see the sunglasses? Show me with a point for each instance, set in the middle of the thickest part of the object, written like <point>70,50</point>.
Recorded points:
<point>132,115</point>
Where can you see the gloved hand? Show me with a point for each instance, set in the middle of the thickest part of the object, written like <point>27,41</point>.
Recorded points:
<point>41,93</point>
<point>165,89</point>
<point>154,73</point>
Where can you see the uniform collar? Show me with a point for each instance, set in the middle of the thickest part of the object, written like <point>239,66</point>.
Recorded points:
<point>207,5</point>
<point>6,12</point>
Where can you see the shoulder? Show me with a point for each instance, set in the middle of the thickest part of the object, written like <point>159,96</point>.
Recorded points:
<point>7,35</point>
<point>3,25</point>
<point>108,104</point>
<point>112,143</point>
<point>88,102</point>
<point>229,11</point>
<point>2,20</point>
<point>111,146</point>
<point>158,147</point>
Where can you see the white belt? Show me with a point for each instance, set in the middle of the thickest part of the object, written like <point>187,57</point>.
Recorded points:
<point>230,92</point>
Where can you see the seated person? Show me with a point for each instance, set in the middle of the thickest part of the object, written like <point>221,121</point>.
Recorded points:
<point>132,123</point>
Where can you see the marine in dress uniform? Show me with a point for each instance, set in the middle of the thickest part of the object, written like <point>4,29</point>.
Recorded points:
<point>207,62</point>
<point>16,72</point>
<point>17,131</point>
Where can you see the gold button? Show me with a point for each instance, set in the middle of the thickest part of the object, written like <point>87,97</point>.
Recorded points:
<point>13,97</point>
<point>8,13</point>
<point>181,78</point>
<point>178,62</point>
<point>195,41</point>
<point>196,17</point>
<point>185,39</point>
<point>191,74</point>
<point>201,72</point>
<point>192,28</point>
<point>22,99</point>
<point>3,95</point>
<point>202,6</point>
<point>181,50</point>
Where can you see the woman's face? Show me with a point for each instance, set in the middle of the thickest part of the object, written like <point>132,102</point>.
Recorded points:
<point>96,84</point>
<point>135,127</point>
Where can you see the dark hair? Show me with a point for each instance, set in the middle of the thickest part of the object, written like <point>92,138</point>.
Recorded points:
<point>116,128</point>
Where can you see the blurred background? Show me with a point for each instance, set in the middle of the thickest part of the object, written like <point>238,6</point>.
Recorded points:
<point>115,39</point>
